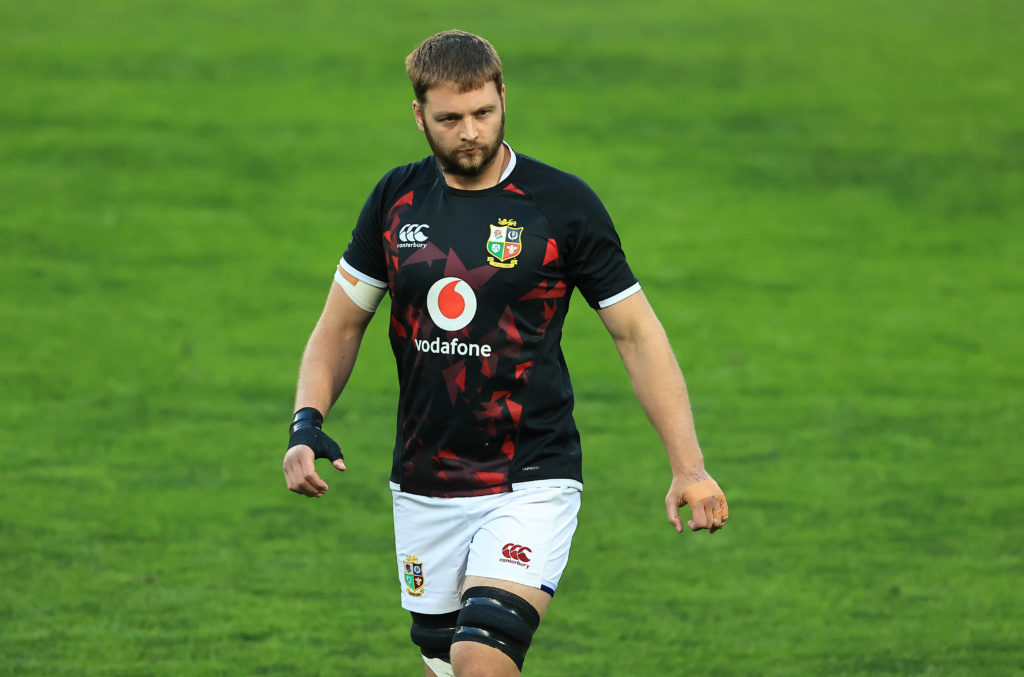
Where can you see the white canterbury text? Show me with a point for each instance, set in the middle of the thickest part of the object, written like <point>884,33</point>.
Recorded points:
<point>412,235</point>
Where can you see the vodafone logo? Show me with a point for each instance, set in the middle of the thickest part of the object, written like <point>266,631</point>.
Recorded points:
<point>451,303</point>
<point>519,552</point>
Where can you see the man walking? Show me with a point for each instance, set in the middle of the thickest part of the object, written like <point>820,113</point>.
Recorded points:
<point>480,249</point>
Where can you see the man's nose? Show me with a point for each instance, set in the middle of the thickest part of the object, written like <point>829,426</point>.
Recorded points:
<point>469,129</point>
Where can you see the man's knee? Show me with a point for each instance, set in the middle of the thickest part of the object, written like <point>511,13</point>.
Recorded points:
<point>433,633</point>
<point>497,618</point>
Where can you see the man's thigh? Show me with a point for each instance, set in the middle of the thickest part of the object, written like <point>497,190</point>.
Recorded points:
<point>537,598</point>
<point>517,557</point>
<point>432,542</point>
<point>526,540</point>
<point>501,650</point>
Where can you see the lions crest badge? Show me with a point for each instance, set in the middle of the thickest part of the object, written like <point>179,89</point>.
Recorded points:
<point>504,244</point>
<point>413,575</point>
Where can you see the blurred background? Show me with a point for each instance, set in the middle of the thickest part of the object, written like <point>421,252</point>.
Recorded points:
<point>823,201</point>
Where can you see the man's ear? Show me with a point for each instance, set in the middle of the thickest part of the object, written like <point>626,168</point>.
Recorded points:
<point>417,112</point>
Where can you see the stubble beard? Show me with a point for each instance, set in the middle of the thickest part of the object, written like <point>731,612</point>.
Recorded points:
<point>454,163</point>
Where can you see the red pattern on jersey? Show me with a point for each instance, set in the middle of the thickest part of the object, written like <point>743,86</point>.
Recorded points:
<point>412,318</point>
<point>395,213</point>
<point>543,291</point>
<point>508,447</point>
<point>455,379</point>
<point>487,366</point>
<point>450,466</point>
<point>427,255</point>
<point>551,253</point>
<point>507,324</point>
<point>515,409</point>
<point>442,455</point>
<point>513,189</point>
<point>488,478</point>
<point>548,314</point>
<point>476,278</point>
<point>398,328</point>
<point>521,368</point>
<point>492,410</point>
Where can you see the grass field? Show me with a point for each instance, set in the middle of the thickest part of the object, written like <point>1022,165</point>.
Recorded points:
<point>824,202</point>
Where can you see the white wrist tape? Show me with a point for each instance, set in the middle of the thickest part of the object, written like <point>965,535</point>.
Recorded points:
<point>363,294</point>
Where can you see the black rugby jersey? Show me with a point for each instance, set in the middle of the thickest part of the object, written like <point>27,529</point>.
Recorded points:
<point>480,284</point>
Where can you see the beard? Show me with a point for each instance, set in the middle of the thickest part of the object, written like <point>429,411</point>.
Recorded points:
<point>453,162</point>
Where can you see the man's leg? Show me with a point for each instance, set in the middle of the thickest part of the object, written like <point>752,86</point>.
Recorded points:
<point>495,559</point>
<point>432,633</point>
<point>519,550</point>
<point>432,542</point>
<point>496,625</point>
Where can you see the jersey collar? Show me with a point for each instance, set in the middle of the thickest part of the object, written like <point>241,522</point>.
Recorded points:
<point>504,174</point>
<point>511,162</point>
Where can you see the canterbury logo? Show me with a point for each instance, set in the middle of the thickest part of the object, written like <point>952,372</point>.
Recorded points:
<point>517,552</point>
<point>413,232</point>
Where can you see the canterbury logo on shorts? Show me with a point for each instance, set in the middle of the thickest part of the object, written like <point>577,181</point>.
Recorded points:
<point>516,553</point>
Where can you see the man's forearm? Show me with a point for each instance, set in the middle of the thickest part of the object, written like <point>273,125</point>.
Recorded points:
<point>661,390</point>
<point>327,363</point>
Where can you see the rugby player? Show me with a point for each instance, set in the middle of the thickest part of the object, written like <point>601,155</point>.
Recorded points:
<point>480,248</point>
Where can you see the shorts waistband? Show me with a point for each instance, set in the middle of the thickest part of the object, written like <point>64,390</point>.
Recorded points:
<point>520,486</point>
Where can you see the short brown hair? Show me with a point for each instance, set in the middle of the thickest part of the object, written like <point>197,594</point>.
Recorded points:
<point>454,57</point>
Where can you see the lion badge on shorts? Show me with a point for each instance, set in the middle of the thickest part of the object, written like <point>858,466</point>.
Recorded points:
<point>413,575</point>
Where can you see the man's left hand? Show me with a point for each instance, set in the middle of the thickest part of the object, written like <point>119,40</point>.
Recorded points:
<point>706,500</point>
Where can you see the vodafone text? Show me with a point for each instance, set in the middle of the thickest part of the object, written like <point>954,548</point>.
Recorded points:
<point>452,347</point>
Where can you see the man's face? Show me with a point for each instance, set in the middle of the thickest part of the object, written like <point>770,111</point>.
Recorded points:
<point>464,129</point>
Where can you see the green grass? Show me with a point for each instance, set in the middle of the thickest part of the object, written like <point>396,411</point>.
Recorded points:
<point>823,201</point>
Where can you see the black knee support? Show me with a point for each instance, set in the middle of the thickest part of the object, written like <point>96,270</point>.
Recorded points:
<point>497,618</point>
<point>432,633</point>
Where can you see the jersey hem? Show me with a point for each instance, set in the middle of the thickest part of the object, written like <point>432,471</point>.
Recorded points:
<point>552,482</point>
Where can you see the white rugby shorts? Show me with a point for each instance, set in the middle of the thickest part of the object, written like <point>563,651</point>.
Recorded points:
<point>521,536</point>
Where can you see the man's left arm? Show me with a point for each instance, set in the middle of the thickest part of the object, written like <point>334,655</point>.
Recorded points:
<point>661,390</point>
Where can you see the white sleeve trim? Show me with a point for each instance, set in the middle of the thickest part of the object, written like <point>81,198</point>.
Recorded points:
<point>612,300</point>
<point>359,275</point>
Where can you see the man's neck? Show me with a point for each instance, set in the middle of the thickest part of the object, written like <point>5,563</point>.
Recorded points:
<point>489,178</point>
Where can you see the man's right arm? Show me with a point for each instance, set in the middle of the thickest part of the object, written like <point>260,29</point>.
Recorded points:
<point>326,366</point>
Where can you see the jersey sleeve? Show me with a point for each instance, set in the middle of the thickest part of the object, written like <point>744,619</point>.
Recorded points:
<point>596,263</point>
<point>364,258</point>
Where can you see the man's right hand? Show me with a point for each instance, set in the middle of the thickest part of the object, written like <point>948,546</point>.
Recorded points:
<point>300,473</point>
